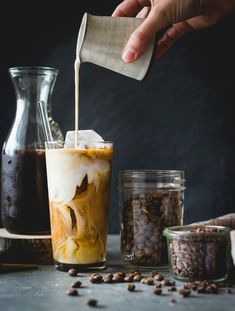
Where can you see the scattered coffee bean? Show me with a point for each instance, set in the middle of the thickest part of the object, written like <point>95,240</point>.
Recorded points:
<point>158,277</point>
<point>185,292</point>
<point>128,278</point>
<point>211,289</point>
<point>131,287</point>
<point>76,284</point>
<point>72,292</point>
<point>147,281</point>
<point>229,291</point>
<point>119,277</point>
<point>138,277</point>
<point>153,273</point>
<point>120,274</point>
<point>92,302</point>
<point>96,278</point>
<point>157,291</point>
<point>135,272</point>
<point>173,301</point>
<point>191,286</point>
<point>166,282</point>
<point>72,272</point>
<point>172,289</point>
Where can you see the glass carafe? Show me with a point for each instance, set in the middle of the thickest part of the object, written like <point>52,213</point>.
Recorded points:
<point>24,182</point>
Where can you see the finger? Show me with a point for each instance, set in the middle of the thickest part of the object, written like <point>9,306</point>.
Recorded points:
<point>171,36</point>
<point>144,12</point>
<point>130,7</point>
<point>141,37</point>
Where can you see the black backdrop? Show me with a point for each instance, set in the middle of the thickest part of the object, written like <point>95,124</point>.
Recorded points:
<point>180,117</point>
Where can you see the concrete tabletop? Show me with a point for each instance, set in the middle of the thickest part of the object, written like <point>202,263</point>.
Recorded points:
<point>45,289</point>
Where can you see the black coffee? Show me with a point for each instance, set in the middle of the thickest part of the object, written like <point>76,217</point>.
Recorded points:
<point>24,192</point>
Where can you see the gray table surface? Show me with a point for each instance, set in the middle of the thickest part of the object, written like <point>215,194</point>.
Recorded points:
<point>45,289</point>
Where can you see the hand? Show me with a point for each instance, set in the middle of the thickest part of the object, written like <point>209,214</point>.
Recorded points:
<point>181,16</point>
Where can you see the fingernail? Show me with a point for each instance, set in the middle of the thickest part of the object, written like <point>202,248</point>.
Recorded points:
<point>129,55</point>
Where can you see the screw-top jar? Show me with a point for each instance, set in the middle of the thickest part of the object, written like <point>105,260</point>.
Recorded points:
<point>150,201</point>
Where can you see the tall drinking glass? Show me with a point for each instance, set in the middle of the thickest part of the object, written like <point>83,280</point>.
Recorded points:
<point>78,185</point>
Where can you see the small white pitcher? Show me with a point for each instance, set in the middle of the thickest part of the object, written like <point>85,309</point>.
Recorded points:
<point>101,41</point>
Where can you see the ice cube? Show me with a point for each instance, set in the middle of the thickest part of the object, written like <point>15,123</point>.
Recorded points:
<point>86,138</point>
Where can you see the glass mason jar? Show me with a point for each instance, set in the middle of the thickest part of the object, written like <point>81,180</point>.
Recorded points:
<point>198,252</point>
<point>24,193</point>
<point>150,201</point>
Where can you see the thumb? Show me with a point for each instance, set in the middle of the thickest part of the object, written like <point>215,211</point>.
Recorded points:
<point>141,37</point>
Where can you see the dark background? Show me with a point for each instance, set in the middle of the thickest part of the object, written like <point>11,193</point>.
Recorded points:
<point>180,117</point>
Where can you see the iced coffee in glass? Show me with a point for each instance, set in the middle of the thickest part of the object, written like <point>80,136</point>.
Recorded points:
<point>78,185</point>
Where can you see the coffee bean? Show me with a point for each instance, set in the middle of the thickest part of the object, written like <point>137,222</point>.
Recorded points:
<point>185,292</point>
<point>229,291</point>
<point>72,272</point>
<point>136,272</point>
<point>211,289</point>
<point>96,278</point>
<point>147,281</point>
<point>157,291</point>
<point>128,278</point>
<point>119,277</point>
<point>173,300</point>
<point>109,275</point>
<point>166,282</point>
<point>153,273</point>
<point>92,302</point>
<point>172,289</point>
<point>131,287</point>
<point>76,284</point>
<point>138,278</point>
<point>158,277</point>
<point>72,292</point>
<point>119,274</point>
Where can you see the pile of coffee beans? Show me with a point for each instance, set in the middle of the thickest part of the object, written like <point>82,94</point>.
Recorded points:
<point>199,257</point>
<point>144,217</point>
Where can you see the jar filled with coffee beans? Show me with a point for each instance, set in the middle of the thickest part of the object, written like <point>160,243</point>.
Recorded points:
<point>150,201</point>
<point>199,252</point>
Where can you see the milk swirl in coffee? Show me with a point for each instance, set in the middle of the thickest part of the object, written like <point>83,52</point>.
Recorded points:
<point>78,181</point>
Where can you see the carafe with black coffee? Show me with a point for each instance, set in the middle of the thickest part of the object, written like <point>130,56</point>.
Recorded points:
<point>24,182</point>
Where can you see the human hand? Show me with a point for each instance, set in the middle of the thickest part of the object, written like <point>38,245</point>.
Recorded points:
<point>181,16</point>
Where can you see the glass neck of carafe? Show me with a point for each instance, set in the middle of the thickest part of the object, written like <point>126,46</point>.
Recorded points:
<point>33,87</point>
